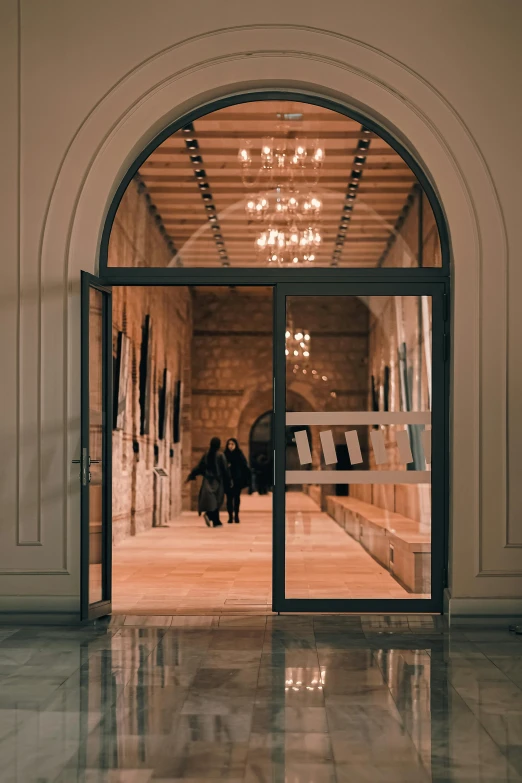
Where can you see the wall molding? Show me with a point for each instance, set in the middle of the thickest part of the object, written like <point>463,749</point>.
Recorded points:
<point>316,62</point>
<point>40,604</point>
<point>35,572</point>
<point>484,608</point>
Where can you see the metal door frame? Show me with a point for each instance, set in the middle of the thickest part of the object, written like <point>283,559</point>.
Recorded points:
<point>91,611</point>
<point>440,449</point>
<point>345,284</point>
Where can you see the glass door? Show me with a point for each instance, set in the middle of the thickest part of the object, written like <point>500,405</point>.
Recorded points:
<point>360,447</point>
<point>95,448</point>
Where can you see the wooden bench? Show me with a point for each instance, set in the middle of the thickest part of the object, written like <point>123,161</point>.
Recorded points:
<point>395,541</point>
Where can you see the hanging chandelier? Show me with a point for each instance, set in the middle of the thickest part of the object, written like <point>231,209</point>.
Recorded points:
<point>281,159</point>
<point>288,211</point>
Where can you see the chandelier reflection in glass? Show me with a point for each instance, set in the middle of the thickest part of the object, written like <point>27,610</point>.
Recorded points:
<point>298,347</point>
<point>297,344</point>
<point>286,207</point>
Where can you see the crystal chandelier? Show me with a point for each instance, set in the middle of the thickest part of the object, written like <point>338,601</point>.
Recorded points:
<point>286,207</point>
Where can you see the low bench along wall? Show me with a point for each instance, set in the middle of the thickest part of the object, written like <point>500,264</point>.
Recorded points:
<point>397,542</point>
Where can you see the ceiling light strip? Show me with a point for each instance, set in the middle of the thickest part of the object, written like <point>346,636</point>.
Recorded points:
<point>415,192</point>
<point>200,175</point>
<point>359,160</point>
<point>154,213</point>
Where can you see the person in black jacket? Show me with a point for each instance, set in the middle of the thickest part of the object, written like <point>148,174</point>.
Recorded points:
<point>240,478</point>
<point>216,481</point>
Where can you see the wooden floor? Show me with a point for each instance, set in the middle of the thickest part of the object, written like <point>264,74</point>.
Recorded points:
<point>188,568</point>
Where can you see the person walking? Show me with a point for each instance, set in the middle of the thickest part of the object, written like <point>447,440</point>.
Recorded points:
<point>240,477</point>
<point>216,481</point>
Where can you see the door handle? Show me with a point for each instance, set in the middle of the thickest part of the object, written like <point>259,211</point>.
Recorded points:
<point>85,474</point>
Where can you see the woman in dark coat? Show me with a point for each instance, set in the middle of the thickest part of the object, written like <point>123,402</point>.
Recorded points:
<point>240,477</point>
<point>216,481</point>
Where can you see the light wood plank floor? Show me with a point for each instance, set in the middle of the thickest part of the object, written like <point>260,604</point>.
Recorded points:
<point>188,568</point>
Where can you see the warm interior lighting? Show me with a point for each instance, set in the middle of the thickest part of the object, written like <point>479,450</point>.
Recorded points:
<point>284,167</point>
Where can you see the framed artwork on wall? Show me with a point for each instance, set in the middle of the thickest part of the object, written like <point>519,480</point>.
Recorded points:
<point>406,387</point>
<point>386,388</point>
<point>146,376</point>
<point>164,404</point>
<point>121,381</point>
<point>176,419</point>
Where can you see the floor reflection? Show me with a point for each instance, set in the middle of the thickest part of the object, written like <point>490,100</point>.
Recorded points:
<point>295,698</point>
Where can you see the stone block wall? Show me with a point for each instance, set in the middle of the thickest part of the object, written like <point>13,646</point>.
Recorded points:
<point>138,238</point>
<point>406,249</point>
<point>140,497</point>
<point>396,320</point>
<point>338,327</point>
<point>232,374</point>
<point>231,365</point>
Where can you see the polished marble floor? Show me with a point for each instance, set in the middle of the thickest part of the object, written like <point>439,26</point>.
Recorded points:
<point>256,699</point>
<point>188,567</point>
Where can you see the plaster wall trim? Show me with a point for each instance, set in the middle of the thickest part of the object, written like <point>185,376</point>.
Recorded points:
<point>315,62</point>
<point>485,607</point>
<point>21,604</point>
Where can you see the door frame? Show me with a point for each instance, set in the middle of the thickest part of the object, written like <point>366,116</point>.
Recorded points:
<point>440,447</point>
<point>230,276</point>
<point>300,282</point>
<point>90,611</point>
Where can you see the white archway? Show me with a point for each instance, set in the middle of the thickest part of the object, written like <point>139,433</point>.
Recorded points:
<point>319,63</point>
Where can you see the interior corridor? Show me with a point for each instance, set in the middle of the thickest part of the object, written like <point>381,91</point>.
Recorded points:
<point>187,568</point>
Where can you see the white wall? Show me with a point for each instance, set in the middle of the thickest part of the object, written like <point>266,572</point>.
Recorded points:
<point>85,85</point>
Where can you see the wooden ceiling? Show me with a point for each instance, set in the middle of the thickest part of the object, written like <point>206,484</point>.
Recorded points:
<point>194,180</point>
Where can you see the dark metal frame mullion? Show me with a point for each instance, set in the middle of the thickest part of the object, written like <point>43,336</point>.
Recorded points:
<point>438,447</point>
<point>260,276</point>
<point>91,611</point>
<point>359,284</point>
<point>440,451</point>
<point>84,443</point>
<point>107,379</point>
<point>279,527</point>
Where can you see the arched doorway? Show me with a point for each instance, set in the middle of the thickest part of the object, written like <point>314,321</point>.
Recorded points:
<point>386,200</point>
<point>261,448</point>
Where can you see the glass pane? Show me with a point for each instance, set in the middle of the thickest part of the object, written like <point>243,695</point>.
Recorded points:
<point>96,418</point>
<point>274,183</point>
<point>358,453</point>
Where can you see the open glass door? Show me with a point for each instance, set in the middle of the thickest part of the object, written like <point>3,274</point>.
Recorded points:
<point>95,457</point>
<point>360,481</point>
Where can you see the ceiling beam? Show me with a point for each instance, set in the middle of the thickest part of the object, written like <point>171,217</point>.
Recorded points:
<point>231,179</point>
<point>153,166</point>
<point>240,194</point>
<point>169,150</point>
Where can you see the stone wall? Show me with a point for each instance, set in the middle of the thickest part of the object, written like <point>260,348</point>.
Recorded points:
<point>231,364</point>
<point>232,374</point>
<point>140,497</point>
<point>396,320</point>
<point>406,250</point>
<point>336,376</point>
<point>138,238</point>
